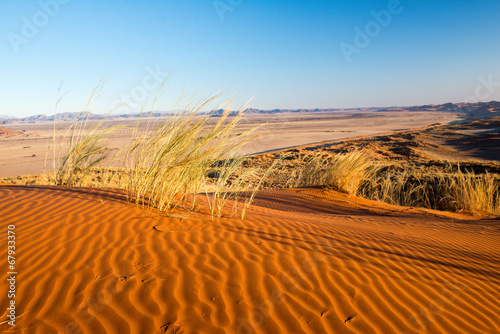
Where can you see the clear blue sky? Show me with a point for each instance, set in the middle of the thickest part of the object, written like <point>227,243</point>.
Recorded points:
<point>281,53</point>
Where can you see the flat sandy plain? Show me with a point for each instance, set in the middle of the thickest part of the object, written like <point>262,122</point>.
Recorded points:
<point>25,154</point>
<point>302,260</point>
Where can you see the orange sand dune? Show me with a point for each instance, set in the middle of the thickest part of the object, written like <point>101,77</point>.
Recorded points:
<point>302,261</point>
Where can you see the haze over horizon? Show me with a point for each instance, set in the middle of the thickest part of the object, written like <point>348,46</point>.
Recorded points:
<point>48,116</point>
<point>280,54</point>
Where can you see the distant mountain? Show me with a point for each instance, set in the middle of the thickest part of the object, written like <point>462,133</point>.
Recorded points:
<point>474,110</point>
<point>467,108</point>
<point>67,116</point>
<point>470,109</point>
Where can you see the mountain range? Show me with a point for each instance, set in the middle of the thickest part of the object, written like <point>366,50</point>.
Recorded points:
<point>471,110</point>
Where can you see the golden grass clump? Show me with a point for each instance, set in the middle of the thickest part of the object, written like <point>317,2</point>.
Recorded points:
<point>172,161</point>
<point>477,192</point>
<point>167,164</point>
<point>86,148</point>
<point>345,172</point>
<point>447,191</point>
<point>83,140</point>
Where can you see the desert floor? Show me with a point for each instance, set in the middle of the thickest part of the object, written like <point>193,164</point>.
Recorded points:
<point>302,261</point>
<point>27,153</point>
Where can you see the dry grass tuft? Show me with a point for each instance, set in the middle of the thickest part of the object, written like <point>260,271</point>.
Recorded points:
<point>86,148</point>
<point>447,191</point>
<point>171,161</point>
<point>345,172</point>
<point>165,166</point>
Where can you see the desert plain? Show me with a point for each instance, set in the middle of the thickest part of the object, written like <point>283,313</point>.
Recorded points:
<point>26,152</point>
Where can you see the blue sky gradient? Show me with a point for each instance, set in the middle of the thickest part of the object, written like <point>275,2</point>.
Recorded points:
<point>280,54</point>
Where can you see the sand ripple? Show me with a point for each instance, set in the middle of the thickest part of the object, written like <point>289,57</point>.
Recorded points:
<point>303,261</point>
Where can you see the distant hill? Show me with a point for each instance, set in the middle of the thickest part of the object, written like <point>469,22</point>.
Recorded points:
<point>4,132</point>
<point>43,118</point>
<point>467,108</point>
<point>471,110</point>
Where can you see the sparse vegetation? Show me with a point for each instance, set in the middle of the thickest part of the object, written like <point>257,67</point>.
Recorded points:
<point>192,153</point>
<point>344,172</point>
<point>84,142</point>
<point>448,191</point>
<point>167,165</point>
<point>442,187</point>
<point>171,163</point>
<point>437,186</point>
<point>86,148</point>
<point>446,188</point>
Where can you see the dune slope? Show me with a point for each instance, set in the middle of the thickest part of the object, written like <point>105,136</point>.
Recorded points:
<point>302,261</point>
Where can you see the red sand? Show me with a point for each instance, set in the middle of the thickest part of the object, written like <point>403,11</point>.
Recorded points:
<point>302,261</point>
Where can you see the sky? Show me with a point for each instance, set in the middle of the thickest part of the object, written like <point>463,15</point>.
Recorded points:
<point>270,54</point>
